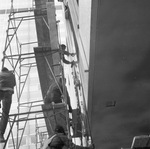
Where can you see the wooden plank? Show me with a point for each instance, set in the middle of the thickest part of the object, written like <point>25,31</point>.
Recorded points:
<point>47,67</point>
<point>45,76</point>
<point>56,115</point>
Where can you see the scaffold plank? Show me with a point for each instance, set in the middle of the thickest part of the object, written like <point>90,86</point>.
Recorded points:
<point>45,60</point>
<point>56,114</point>
<point>45,75</point>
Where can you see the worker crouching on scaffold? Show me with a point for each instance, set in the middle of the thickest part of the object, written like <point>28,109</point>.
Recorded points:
<point>55,94</point>
<point>7,84</point>
<point>60,140</point>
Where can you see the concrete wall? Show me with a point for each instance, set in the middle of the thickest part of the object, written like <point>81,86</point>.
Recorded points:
<point>80,17</point>
<point>119,83</point>
<point>85,25</point>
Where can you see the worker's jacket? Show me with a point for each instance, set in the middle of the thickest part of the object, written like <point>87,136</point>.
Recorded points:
<point>61,141</point>
<point>7,81</point>
<point>57,141</point>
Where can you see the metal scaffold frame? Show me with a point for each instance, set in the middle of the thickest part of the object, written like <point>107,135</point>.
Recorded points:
<point>16,59</point>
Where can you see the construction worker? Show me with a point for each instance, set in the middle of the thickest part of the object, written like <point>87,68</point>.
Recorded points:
<point>60,140</point>
<point>7,83</point>
<point>55,94</point>
<point>63,52</point>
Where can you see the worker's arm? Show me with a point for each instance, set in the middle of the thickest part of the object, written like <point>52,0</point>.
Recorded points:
<point>65,61</point>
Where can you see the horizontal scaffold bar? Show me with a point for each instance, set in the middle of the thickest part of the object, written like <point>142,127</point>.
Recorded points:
<point>33,112</point>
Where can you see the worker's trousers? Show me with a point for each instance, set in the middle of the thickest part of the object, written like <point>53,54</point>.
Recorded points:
<point>6,99</point>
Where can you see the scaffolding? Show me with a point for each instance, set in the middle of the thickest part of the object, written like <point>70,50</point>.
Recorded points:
<point>19,57</point>
<point>21,60</point>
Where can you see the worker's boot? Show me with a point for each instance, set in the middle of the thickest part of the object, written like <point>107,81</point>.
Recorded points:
<point>2,138</point>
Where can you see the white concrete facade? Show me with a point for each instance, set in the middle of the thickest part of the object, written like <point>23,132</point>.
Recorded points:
<point>80,24</point>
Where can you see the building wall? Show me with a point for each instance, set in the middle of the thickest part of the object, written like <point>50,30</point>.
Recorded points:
<point>80,23</point>
<point>85,25</point>
<point>120,75</point>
